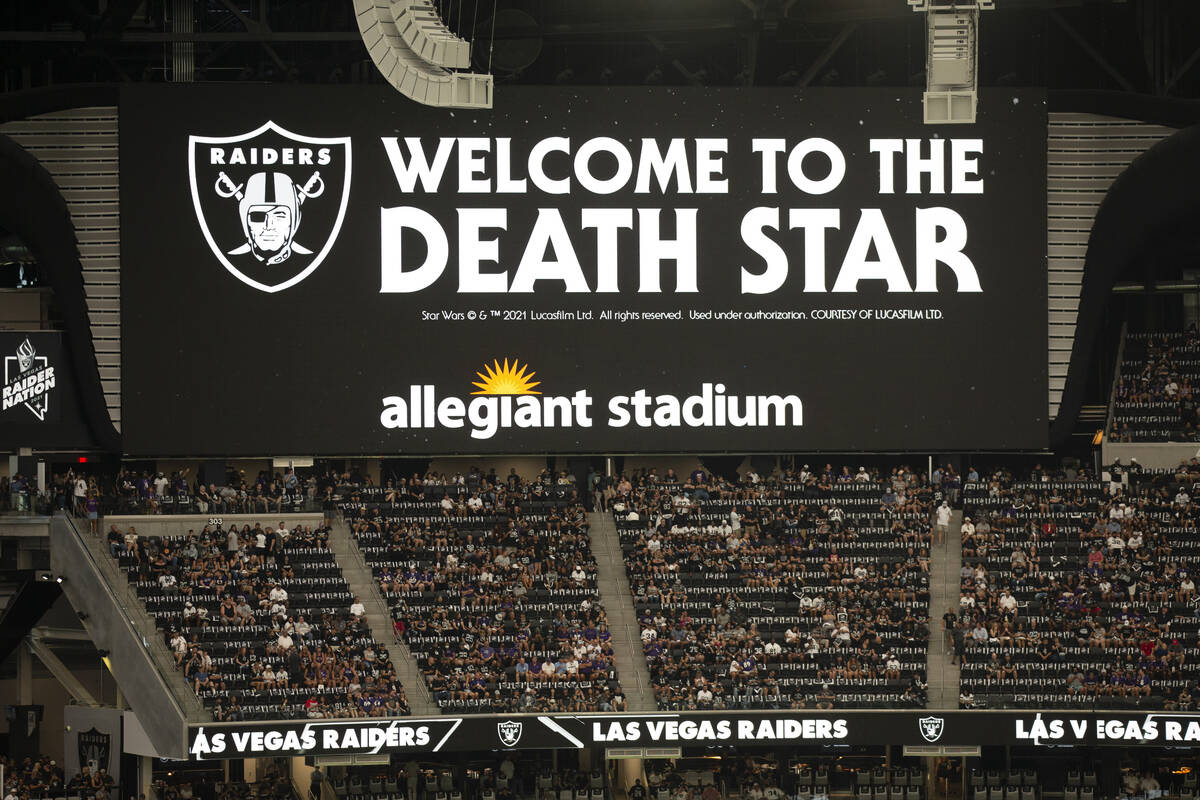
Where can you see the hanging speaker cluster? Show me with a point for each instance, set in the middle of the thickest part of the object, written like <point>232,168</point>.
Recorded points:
<point>419,55</point>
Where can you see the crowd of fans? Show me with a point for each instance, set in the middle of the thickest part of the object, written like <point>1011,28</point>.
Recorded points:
<point>1078,591</point>
<point>492,584</point>
<point>1157,394</point>
<point>31,778</point>
<point>805,589</point>
<point>42,777</point>
<point>261,622</point>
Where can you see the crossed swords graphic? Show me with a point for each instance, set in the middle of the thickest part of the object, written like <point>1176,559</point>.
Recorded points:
<point>313,187</point>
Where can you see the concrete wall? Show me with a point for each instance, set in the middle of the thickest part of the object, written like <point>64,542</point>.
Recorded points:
<point>112,629</point>
<point>1152,455</point>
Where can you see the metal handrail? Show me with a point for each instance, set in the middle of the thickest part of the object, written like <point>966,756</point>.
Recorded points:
<point>1112,390</point>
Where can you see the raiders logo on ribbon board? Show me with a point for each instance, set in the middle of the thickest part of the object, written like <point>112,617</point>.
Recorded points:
<point>270,202</point>
<point>931,728</point>
<point>509,732</point>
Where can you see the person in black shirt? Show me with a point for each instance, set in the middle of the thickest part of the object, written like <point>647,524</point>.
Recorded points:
<point>637,791</point>
<point>949,620</point>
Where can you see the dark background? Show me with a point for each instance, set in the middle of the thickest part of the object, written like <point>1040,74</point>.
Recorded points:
<point>213,366</point>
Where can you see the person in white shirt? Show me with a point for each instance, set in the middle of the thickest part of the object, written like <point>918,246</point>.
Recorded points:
<point>167,582</point>
<point>942,524</point>
<point>278,594</point>
<point>968,527</point>
<point>80,493</point>
<point>179,647</point>
<point>284,642</point>
<point>772,648</point>
<point>1007,602</point>
<point>357,608</point>
<point>578,575</point>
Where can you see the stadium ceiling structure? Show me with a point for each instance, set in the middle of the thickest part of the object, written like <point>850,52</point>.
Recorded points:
<point>1149,47</point>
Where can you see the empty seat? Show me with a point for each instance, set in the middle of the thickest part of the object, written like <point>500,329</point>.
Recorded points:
<point>1028,793</point>
<point>862,778</point>
<point>1071,793</point>
<point>1089,778</point>
<point>375,785</point>
<point>878,777</point>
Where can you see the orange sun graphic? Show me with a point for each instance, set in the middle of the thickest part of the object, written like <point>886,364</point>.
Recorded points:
<point>505,379</point>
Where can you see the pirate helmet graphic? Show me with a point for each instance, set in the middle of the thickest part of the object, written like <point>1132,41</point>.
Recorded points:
<point>269,207</point>
<point>25,354</point>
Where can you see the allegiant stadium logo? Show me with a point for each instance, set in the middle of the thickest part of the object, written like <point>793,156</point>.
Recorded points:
<point>505,398</point>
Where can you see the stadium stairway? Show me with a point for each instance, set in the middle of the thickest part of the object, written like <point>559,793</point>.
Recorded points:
<point>363,584</point>
<point>617,598</point>
<point>945,561</point>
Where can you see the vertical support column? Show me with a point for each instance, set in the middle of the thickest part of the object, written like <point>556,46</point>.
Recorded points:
<point>24,674</point>
<point>145,776</point>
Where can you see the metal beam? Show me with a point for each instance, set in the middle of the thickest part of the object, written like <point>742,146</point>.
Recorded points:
<point>826,54</point>
<point>1183,70</point>
<point>689,76</point>
<point>60,634</point>
<point>60,672</point>
<point>1086,46</point>
<point>824,12</point>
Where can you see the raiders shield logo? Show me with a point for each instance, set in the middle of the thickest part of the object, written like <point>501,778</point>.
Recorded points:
<point>270,202</point>
<point>93,749</point>
<point>510,732</point>
<point>931,728</point>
